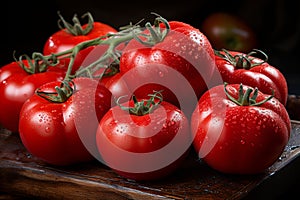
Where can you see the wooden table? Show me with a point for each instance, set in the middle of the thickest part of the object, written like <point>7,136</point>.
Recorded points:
<point>24,175</point>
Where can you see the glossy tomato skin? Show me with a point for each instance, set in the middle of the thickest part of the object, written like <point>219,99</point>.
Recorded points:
<point>16,86</point>
<point>239,139</point>
<point>63,133</point>
<point>184,56</point>
<point>63,40</point>
<point>147,147</point>
<point>225,30</point>
<point>264,76</point>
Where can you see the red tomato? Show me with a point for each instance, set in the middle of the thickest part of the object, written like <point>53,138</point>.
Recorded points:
<point>239,139</point>
<point>237,67</point>
<point>142,145</point>
<point>63,133</point>
<point>16,86</point>
<point>69,36</point>
<point>225,30</point>
<point>184,56</point>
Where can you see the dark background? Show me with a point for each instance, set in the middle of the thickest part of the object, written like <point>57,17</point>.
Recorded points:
<point>26,25</point>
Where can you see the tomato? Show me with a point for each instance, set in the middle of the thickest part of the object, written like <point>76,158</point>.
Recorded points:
<point>62,132</point>
<point>71,35</point>
<point>225,30</point>
<point>237,132</point>
<point>249,69</point>
<point>147,141</point>
<point>184,56</point>
<point>16,86</point>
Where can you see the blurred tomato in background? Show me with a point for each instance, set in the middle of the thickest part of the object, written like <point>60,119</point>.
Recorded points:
<point>229,31</point>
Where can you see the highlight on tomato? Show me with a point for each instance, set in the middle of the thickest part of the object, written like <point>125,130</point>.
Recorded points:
<point>174,57</point>
<point>70,35</point>
<point>51,119</point>
<point>239,130</point>
<point>18,82</point>
<point>144,139</point>
<point>252,69</point>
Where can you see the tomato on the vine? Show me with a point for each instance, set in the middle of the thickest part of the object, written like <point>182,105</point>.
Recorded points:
<point>144,139</point>
<point>18,84</point>
<point>71,35</point>
<point>58,123</point>
<point>252,70</point>
<point>225,30</point>
<point>238,129</point>
<point>177,58</point>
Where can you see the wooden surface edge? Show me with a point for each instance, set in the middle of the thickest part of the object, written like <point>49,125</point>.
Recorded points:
<point>32,182</point>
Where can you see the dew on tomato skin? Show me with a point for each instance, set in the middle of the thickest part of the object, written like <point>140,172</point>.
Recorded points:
<point>47,129</point>
<point>82,102</point>
<point>161,74</point>
<point>242,141</point>
<point>252,111</point>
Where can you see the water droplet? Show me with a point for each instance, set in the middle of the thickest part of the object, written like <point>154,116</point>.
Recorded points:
<point>243,141</point>
<point>47,129</point>
<point>161,74</point>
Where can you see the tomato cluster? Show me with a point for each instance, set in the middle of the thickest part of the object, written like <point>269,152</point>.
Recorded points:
<point>140,99</point>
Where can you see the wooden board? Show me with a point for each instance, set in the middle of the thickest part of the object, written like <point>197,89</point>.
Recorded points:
<point>23,174</point>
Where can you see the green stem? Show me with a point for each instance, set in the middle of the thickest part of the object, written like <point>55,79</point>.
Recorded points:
<point>111,39</point>
<point>244,98</point>
<point>240,60</point>
<point>76,29</point>
<point>143,107</point>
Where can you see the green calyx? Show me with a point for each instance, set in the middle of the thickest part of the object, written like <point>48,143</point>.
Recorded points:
<point>76,29</point>
<point>242,61</point>
<point>37,63</point>
<point>245,98</point>
<point>143,107</point>
<point>62,94</point>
